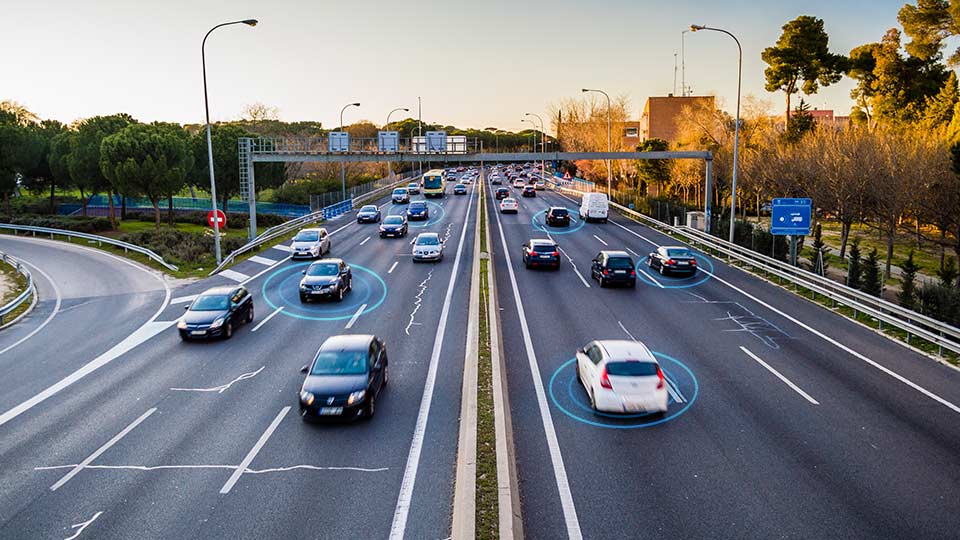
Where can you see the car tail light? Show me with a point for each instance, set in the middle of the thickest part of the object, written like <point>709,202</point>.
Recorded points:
<point>633,273</point>
<point>606,272</point>
<point>556,253</point>
<point>693,262</point>
<point>605,380</point>
<point>660,383</point>
<point>670,262</point>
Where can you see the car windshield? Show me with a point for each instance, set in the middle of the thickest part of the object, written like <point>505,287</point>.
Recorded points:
<point>631,368</point>
<point>393,220</point>
<point>306,236</point>
<point>369,208</point>
<point>417,206</point>
<point>428,240</point>
<point>619,263</point>
<point>544,248</point>
<point>211,302</point>
<point>559,211</point>
<point>340,363</point>
<point>678,253</point>
<point>460,186</point>
<point>400,191</point>
<point>323,269</point>
<point>413,184</point>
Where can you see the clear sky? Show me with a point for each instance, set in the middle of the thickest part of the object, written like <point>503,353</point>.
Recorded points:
<point>476,64</point>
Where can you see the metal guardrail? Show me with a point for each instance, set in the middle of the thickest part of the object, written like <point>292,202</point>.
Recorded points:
<point>96,238</point>
<point>916,324</point>
<point>285,228</point>
<point>29,292</point>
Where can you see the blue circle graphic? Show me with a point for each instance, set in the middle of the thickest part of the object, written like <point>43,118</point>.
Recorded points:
<point>543,226</point>
<point>638,425</point>
<point>437,213</point>
<point>363,290</point>
<point>670,282</point>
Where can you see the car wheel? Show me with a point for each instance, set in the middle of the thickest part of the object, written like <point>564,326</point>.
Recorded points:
<point>250,315</point>
<point>339,295</point>
<point>228,331</point>
<point>602,283</point>
<point>382,235</point>
<point>303,299</point>
<point>350,284</point>
<point>593,401</point>
<point>371,407</point>
<point>633,284</point>
<point>650,262</point>
<point>663,270</point>
<point>579,380</point>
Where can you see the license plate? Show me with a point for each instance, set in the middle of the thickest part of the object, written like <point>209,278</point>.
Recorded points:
<point>545,256</point>
<point>619,271</point>
<point>632,407</point>
<point>316,292</point>
<point>198,332</point>
<point>683,263</point>
<point>331,411</point>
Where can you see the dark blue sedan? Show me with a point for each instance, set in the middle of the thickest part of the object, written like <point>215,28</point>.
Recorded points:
<point>418,210</point>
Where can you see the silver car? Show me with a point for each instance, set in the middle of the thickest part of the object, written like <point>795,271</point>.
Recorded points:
<point>311,243</point>
<point>427,247</point>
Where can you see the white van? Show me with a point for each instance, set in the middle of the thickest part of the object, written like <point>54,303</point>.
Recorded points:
<point>594,206</point>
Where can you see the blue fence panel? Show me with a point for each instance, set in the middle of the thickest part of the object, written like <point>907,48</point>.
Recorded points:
<point>201,204</point>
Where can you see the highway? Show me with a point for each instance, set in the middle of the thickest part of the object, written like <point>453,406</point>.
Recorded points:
<point>785,421</point>
<point>203,439</point>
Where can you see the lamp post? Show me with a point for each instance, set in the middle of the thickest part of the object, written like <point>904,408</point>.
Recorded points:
<point>609,140</point>
<point>543,144</point>
<point>736,128</point>
<point>534,124</point>
<point>683,63</point>
<point>343,167</point>
<point>398,142</point>
<point>206,106</point>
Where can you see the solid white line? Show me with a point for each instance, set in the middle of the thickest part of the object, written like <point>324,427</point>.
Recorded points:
<point>394,265</point>
<point>365,240</point>
<point>76,470</point>
<point>636,234</point>
<point>242,468</point>
<point>556,458</point>
<point>239,277</point>
<point>624,328</point>
<point>579,275</point>
<point>356,316</point>
<point>634,252</point>
<point>262,260</point>
<point>265,270</point>
<point>56,307</point>
<point>779,376</point>
<point>652,279</point>
<point>183,299</point>
<point>399,526</point>
<point>600,240</point>
<point>267,318</point>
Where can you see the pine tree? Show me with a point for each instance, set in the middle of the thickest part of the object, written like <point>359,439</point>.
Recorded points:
<point>948,274</point>
<point>854,269</point>
<point>821,252</point>
<point>871,274</point>
<point>908,287</point>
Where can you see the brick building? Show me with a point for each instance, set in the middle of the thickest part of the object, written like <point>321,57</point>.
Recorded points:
<point>659,118</point>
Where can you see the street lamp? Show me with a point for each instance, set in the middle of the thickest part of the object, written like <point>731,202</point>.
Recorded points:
<point>343,167</point>
<point>206,106</point>
<point>736,128</point>
<point>609,140</point>
<point>543,144</point>
<point>388,123</point>
<point>534,124</point>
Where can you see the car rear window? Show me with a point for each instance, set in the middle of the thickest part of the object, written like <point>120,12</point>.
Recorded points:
<point>619,262</point>
<point>678,253</point>
<point>559,211</point>
<point>544,248</point>
<point>340,363</point>
<point>632,368</point>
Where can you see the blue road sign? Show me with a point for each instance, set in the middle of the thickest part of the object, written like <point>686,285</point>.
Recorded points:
<point>791,216</point>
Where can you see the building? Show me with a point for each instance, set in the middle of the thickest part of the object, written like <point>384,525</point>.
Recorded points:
<point>660,114</point>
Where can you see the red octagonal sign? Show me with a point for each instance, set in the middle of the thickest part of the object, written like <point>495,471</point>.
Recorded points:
<point>221,218</point>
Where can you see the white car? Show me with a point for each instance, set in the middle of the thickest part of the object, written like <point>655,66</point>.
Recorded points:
<point>310,243</point>
<point>427,247</point>
<point>518,183</point>
<point>621,377</point>
<point>466,180</point>
<point>509,205</point>
<point>541,185</point>
<point>413,188</point>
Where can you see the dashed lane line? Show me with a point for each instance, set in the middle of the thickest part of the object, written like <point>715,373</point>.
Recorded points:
<point>262,260</point>
<point>356,316</point>
<point>785,380</point>
<point>267,318</point>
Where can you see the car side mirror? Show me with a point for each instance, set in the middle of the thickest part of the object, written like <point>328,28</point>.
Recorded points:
<point>304,369</point>
<point>304,272</point>
<point>581,351</point>
<point>186,307</point>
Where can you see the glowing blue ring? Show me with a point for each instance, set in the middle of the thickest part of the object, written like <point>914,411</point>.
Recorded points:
<point>368,309</point>
<point>666,284</point>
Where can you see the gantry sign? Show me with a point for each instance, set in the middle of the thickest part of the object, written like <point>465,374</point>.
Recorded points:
<point>414,150</point>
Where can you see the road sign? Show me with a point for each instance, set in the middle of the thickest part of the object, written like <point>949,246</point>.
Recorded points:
<point>436,141</point>
<point>338,141</point>
<point>221,218</point>
<point>791,216</point>
<point>388,141</point>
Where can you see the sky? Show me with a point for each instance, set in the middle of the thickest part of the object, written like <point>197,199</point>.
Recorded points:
<point>474,64</point>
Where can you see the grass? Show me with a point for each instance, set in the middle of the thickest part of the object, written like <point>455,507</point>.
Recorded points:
<point>18,284</point>
<point>927,255</point>
<point>487,511</point>
<point>132,226</point>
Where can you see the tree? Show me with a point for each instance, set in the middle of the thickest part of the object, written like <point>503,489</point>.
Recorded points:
<point>40,178</point>
<point>908,286</point>
<point>654,171</point>
<point>928,24</point>
<point>871,274</point>
<point>948,274</point>
<point>821,252</point>
<point>20,149</point>
<point>938,109</point>
<point>854,268</point>
<point>84,158</point>
<point>149,159</point>
<point>801,60</point>
<point>258,112</point>
<point>801,124</point>
<point>57,160</point>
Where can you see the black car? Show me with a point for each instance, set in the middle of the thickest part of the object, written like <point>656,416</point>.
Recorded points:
<point>369,213</point>
<point>673,260</point>
<point>496,181</point>
<point>345,378</point>
<point>529,191</point>
<point>614,267</point>
<point>540,252</point>
<point>326,278</point>
<point>502,193</point>
<point>216,313</point>
<point>394,226</point>
<point>557,216</point>
<point>418,210</point>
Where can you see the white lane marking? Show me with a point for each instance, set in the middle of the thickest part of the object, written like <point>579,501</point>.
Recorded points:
<point>265,270</point>
<point>365,240</point>
<point>239,277</point>
<point>634,252</point>
<point>282,247</point>
<point>242,468</point>
<point>394,265</point>
<point>223,387</point>
<point>76,470</point>
<point>316,468</point>
<point>262,260</point>
<point>399,526</point>
<point>624,328</point>
<point>355,316</point>
<point>83,525</point>
<point>184,299</point>
<point>651,278</point>
<point>678,395</point>
<point>149,468</point>
<point>418,301</point>
<point>575,269</point>
<point>785,380</point>
<point>140,335</point>
<point>556,458</point>
<point>638,235</point>
<point>267,318</point>
<point>56,307</point>
<point>600,240</point>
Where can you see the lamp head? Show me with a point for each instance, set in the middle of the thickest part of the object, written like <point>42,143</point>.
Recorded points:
<point>250,22</point>
<point>405,109</point>
<point>584,89</point>
<point>355,104</point>
<point>695,27</point>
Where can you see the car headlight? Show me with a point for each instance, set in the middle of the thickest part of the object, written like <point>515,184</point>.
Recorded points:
<point>306,397</point>
<point>182,324</point>
<point>303,286</point>
<point>356,396</point>
<point>217,323</point>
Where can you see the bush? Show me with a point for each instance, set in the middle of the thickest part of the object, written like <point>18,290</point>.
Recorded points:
<point>180,247</point>
<point>22,206</point>
<point>89,225</point>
